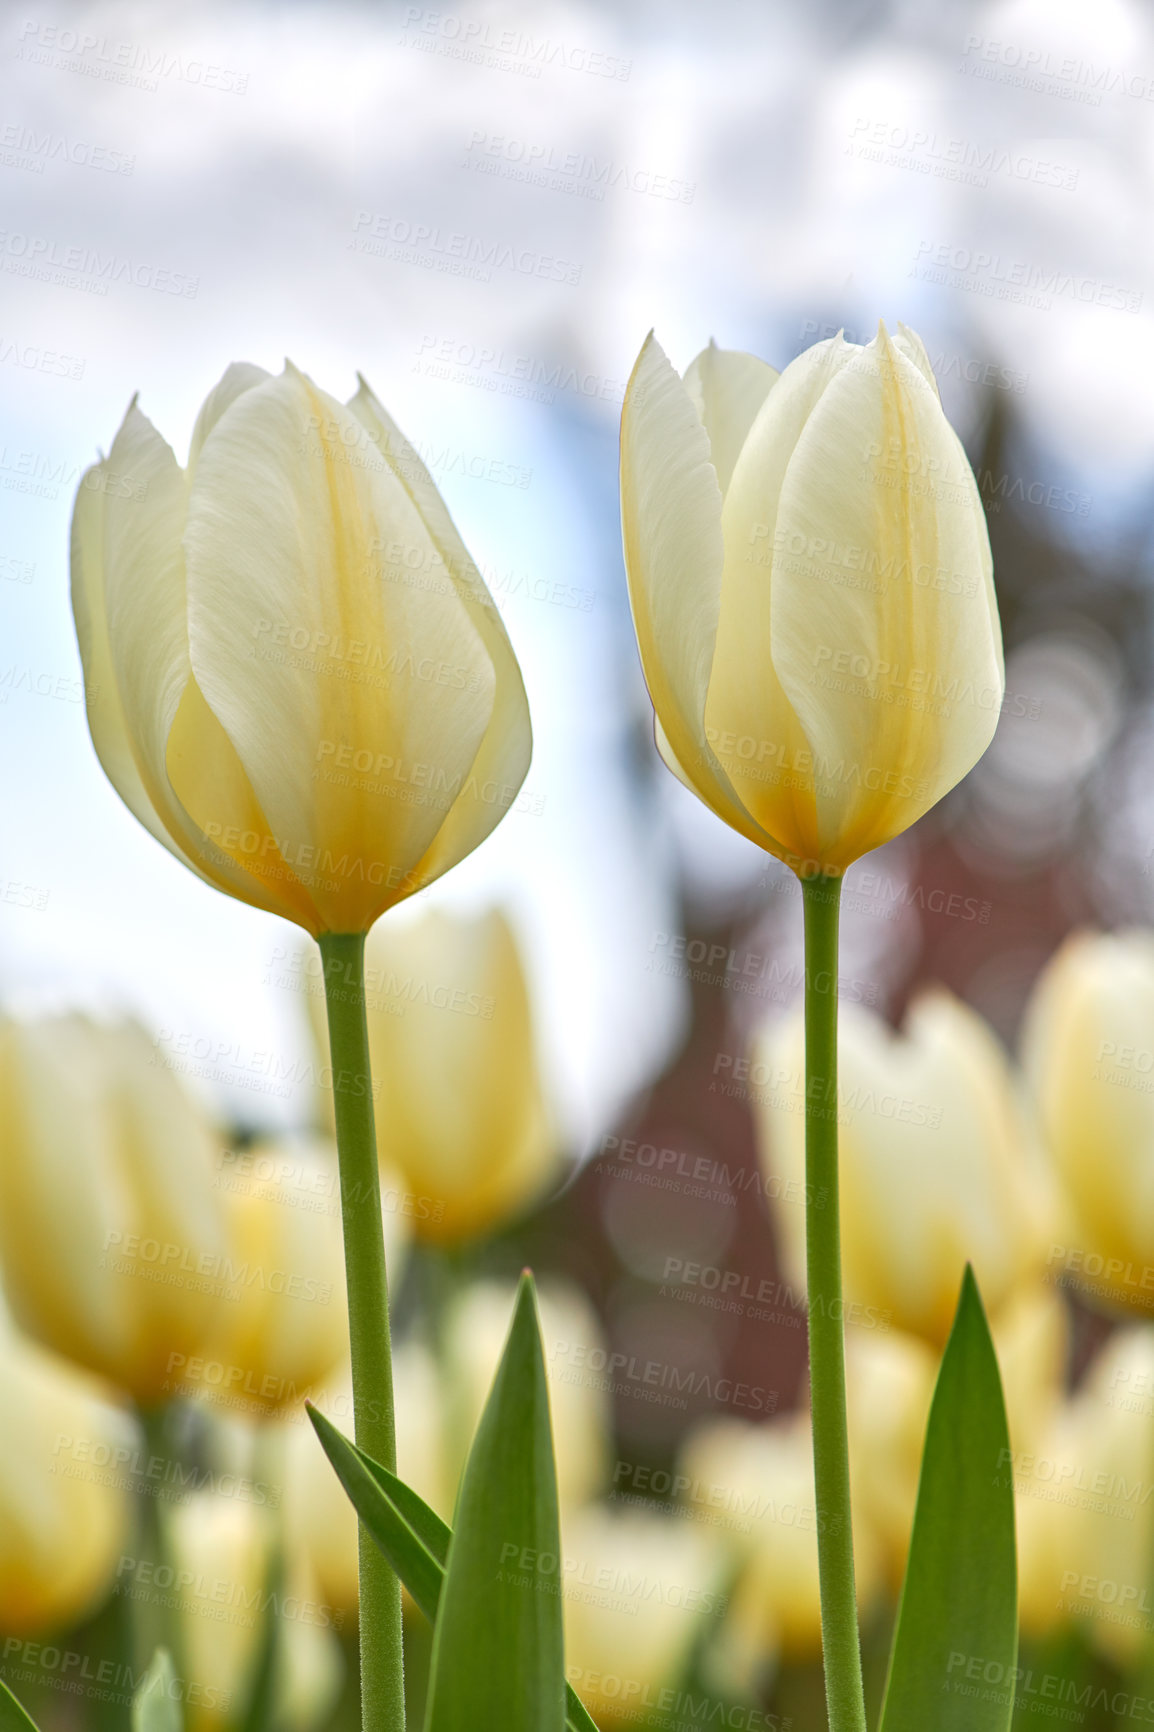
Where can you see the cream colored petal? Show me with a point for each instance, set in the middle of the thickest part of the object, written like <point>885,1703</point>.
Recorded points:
<point>671,522</point>
<point>912,346</point>
<point>356,702</point>
<point>239,377</point>
<point>884,637</point>
<point>502,760</point>
<point>749,717</point>
<point>105,712</point>
<point>1087,1052</point>
<point>727,388</point>
<point>447,998</point>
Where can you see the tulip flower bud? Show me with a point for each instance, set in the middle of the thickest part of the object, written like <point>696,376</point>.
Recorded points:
<point>295,676</point>
<point>460,1108</point>
<point>640,1589</point>
<point>284,1325</point>
<point>812,591</point>
<point>936,1167</point>
<point>1086,1508</point>
<point>221,1552</point>
<point>1088,1051</point>
<point>761,1476</point>
<point>64,1517</point>
<point>111,1235</point>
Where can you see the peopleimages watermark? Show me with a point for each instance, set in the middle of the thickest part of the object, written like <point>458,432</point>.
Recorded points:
<point>504,50</point>
<point>128,1468</point>
<point>131,63</point>
<point>402,241</point>
<point>221,1598</point>
<point>624,1589</point>
<point>75,266</point>
<point>23,147</point>
<point>654,1380</point>
<point>787,1088</point>
<point>494,369</point>
<point>1093,1271</point>
<point>735,1290</point>
<point>700,1176</point>
<point>107,1680</point>
<point>721,1505</point>
<point>982,1678</point>
<point>575,172</point>
<point>1042,69</point>
<point>924,151</point>
<point>758,975</point>
<point>668,1707</point>
<point>1017,280</point>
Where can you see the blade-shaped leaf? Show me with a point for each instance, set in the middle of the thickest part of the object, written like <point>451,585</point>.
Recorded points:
<point>410,1534</point>
<point>956,1643</point>
<point>498,1651</point>
<point>13,1716</point>
<point>156,1705</point>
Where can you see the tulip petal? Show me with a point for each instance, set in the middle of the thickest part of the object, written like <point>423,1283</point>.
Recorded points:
<point>894,599</point>
<point>106,719</point>
<point>671,522</point>
<point>310,641</point>
<point>502,760</point>
<point>748,713</point>
<point>727,388</point>
<point>238,377</point>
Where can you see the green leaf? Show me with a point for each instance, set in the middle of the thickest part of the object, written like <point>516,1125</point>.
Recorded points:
<point>155,1707</point>
<point>13,1716</point>
<point>956,1643</point>
<point>412,1537</point>
<point>498,1652</point>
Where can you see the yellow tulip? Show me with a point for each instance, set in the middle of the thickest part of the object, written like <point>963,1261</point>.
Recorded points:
<point>639,1589</point>
<point>112,1238</point>
<point>1088,1050</point>
<point>812,590</point>
<point>296,678</point>
<point>936,1167</point>
<point>284,1326</point>
<point>762,1477</point>
<point>1086,1507</point>
<point>221,1548</point>
<point>460,1109</point>
<point>64,1516</point>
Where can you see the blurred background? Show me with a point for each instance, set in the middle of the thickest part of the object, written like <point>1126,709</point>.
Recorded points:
<point>484,210</point>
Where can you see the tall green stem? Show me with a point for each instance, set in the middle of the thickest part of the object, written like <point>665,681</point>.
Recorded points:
<point>841,1648</point>
<point>382,1661</point>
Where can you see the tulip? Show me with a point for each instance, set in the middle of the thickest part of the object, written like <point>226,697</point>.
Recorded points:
<point>640,1589</point>
<point>64,1517</point>
<point>1086,1510</point>
<point>285,1325</point>
<point>113,1243</point>
<point>1087,1051</point>
<point>761,1478</point>
<point>460,1108</point>
<point>296,678</point>
<point>319,1519</point>
<point>935,1162</point>
<point>812,591</point>
<point>221,1551</point>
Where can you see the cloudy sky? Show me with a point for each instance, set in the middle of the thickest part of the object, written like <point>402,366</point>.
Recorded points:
<point>484,211</point>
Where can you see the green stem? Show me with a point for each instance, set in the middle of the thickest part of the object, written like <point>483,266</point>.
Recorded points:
<point>382,1661</point>
<point>841,1648</point>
